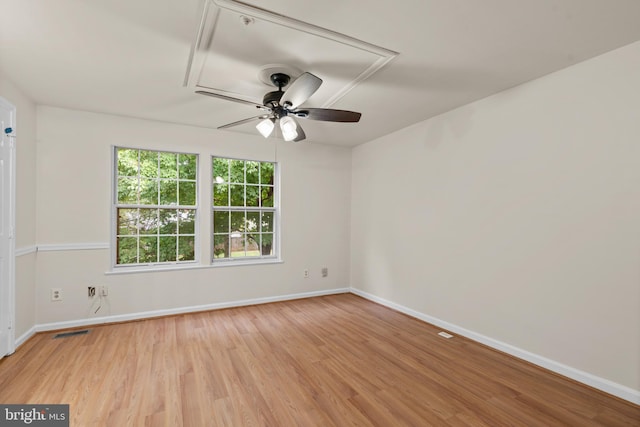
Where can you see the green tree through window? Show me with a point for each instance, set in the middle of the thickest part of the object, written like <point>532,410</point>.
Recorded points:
<point>155,206</point>
<point>244,208</point>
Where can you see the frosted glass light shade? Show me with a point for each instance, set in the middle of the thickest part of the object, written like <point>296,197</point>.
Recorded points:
<point>288,127</point>
<point>265,127</point>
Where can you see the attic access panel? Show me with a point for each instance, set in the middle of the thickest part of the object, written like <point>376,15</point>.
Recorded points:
<point>237,42</point>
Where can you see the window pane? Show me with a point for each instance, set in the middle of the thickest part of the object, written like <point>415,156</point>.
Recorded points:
<point>128,190</point>
<point>237,195</point>
<point>148,221</point>
<point>267,244</point>
<point>267,196</point>
<point>237,170</point>
<point>253,241</point>
<point>148,191</point>
<point>186,248</point>
<point>220,222</point>
<point>220,195</point>
<point>237,222</point>
<point>127,221</point>
<point>253,195</point>
<point>127,252</point>
<point>221,247</point>
<point>149,164</point>
<point>187,221</point>
<point>168,192</point>
<point>267,221</point>
<point>148,249</point>
<point>168,248</point>
<point>266,173</point>
<point>187,193</point>
<point>220,170</point>
<point>253,172</point>
<point>237,245</point>
<point>253,222</point>
<point>168,221</point>
<point>187,166</point>
<point>253,245</point>
<point>168,165</point>
<point>127,162</point>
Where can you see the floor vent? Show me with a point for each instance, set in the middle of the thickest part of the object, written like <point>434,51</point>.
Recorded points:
<point>445,335</point>
<point>72,333</point>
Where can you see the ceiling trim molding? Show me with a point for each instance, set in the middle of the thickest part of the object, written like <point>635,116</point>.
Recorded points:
<point>207,28</point>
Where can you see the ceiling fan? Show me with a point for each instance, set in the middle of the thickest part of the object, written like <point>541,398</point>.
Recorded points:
<point>283,107</point>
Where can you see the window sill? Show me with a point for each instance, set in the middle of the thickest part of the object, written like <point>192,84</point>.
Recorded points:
<point>174,267</point>
<point>240,261</point>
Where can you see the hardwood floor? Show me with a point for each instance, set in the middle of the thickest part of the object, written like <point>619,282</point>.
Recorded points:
<point>329,361</point>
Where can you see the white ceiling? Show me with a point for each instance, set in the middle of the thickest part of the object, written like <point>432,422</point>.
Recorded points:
<point>129,57</point>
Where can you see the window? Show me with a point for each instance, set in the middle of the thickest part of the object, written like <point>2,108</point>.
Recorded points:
<point>244,209</point>
<point>155,206</point>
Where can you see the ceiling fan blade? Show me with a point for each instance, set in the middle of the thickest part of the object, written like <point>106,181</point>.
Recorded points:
<point>230,98</point>
<point>241,122</point>
<point>301,134</point>
<point>300,90</point>
<point>328,115</point>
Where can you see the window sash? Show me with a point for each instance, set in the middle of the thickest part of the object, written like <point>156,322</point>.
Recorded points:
<point>249,243</point>
<point>167,243</point>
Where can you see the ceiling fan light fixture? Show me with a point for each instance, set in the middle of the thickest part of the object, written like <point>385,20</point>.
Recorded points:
<point>289,128</point>
<point>283,107</point>
<point>265,127</point>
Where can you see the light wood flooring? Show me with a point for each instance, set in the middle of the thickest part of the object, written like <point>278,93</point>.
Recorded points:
<point>330,361</point>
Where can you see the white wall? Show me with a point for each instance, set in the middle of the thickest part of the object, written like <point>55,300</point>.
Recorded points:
<point>25,204</point>
<point>516,217</point>
<point>74,188</point>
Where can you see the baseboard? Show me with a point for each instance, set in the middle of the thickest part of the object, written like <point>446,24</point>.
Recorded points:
<point>24,337</point>
<point>602,384</point>
<point>181,310</point>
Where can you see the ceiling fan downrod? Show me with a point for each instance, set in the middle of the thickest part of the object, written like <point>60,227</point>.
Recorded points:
<point>272,99</point>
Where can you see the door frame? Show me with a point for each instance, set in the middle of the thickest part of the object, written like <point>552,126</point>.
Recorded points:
<point>9,200</point>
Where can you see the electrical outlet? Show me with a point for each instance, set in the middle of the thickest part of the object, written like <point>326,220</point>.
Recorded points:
<point>56,294</point>
<point>306,273</point>
<point>104,291</point>
<point>325,271</point>
<point>91,291</point>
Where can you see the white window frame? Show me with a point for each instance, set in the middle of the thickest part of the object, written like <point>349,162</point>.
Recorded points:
<point>276,250</point>
<point>168,265</point>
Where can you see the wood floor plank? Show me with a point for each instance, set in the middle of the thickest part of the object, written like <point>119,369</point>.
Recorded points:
<point>329,361</point>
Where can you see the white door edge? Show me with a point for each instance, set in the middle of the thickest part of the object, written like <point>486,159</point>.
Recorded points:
<point>7,284</point>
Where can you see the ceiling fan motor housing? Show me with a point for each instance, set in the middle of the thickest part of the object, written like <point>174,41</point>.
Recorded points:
<point>272,98</point>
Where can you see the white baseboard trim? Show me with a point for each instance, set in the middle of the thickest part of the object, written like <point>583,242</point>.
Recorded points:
<point>24,337</point>
<point>602,384</point>
<point>181,310</point>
